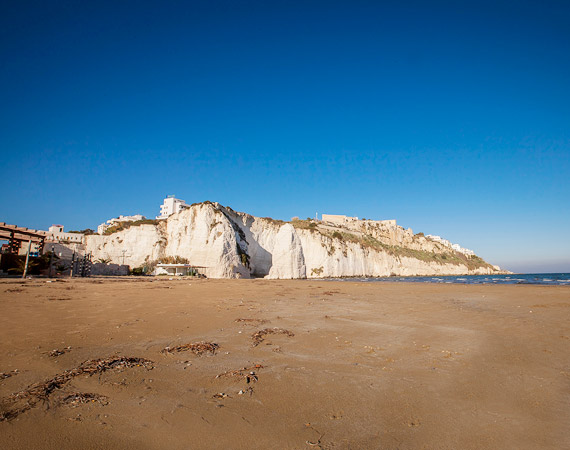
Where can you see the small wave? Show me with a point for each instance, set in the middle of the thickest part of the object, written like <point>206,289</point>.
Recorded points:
<point>562,279</point>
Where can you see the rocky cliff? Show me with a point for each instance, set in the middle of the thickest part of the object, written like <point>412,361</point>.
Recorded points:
<point>231,244</point>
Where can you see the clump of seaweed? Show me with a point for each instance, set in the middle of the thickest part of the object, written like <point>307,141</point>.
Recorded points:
<point>221,395</point>
<point>57,352</point>
<point>79,398</point>
<point>4,375</point>
<point>246,373</point>
<point>198,348</point>
<point>252,321</point>
<point>22,401</point>
<point>259,336</point>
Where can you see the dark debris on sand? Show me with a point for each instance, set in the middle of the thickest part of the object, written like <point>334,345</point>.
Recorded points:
<point>259,336</point>
<point>80,398</point>
<point>57,352</point>
<point>198,348</point>
<point>252,321</point>
<point>4,375</point>
<point>14,405</point>
<point>247,373</point>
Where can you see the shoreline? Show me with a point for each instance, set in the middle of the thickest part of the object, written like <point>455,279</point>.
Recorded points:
<point>396,278</point>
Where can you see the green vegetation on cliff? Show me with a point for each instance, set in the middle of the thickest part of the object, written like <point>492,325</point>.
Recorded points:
<point>367,241</point>
<point>120,226</point>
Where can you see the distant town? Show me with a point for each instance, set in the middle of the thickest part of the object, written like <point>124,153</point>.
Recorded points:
<point>18,236</point>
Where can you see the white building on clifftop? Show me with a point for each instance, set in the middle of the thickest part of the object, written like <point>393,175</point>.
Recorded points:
<point>449,244</point>
<point>338,219</point>
<point>56,234</point>
<point>347,220</point>
<point>171,205</point>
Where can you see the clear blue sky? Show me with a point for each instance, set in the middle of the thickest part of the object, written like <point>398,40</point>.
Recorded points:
<point>451,117</point>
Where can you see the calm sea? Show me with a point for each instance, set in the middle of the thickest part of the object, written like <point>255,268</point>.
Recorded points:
<point>559,279</point>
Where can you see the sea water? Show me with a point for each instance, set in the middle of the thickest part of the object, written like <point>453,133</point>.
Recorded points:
<point>559,279</point>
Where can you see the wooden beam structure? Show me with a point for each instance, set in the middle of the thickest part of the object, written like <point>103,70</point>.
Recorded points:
<point>17,235</point>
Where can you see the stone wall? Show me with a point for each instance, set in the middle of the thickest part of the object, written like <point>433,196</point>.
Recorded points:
<point>109,269</point>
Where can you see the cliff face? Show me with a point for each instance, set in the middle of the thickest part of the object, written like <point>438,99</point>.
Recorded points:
<point>230,244</point>
<point>134,246</point>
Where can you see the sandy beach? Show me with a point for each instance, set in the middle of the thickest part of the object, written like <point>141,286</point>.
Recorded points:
<point>296,365</point>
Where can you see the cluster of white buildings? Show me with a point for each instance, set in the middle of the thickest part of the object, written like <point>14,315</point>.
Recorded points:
<point>337,219</point>
<point>447,243</point>
<point>171,205</point>
<point>56,233</point>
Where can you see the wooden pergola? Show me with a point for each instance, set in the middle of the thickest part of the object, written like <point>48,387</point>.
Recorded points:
<point>16,235</point>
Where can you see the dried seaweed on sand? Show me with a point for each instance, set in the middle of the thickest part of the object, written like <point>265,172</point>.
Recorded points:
<point>14,405</point>
<point>4,375</point>
<point>57,352</point>
<point>80,398</point>
<point>14,290</point>
<point>246,373</point>
<point>259,336</point>
<point>252,321</point>
<point>221,395</point>
<point>198,348</point>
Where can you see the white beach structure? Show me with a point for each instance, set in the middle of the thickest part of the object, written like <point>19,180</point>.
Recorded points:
<point>176,269</point>
<point>171,205</point>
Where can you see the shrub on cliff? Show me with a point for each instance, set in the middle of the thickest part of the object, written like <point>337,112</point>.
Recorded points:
<point>86,231</point>
<point>120,226</point>
<point>273,221</point>
<point>304,224</point>
<point>173,260</point>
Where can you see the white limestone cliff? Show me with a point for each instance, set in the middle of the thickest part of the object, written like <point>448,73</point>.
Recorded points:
<point>204,236</point>
<point>289,261</point>
<point>230,244</point>
<point>132,246</point>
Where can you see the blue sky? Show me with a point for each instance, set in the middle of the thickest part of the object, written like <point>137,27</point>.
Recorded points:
<point>451,117</point>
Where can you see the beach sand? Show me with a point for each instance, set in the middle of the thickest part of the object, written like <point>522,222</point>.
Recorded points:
<point>364,365</point>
